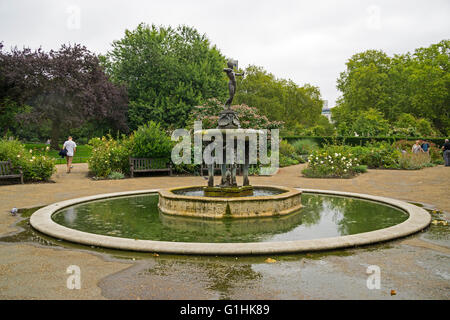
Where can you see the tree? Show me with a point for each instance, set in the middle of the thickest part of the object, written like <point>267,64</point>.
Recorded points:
<point>417,84</point>
<point>368,123</point>
<point>66,88</point>
<point>167,72</point>
<point>279,99</point>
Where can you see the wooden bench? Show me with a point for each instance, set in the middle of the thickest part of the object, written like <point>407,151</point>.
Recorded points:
<point>7,171</point>
<point>149,165</point>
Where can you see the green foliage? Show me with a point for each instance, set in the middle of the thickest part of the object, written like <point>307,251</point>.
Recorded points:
<point>378,155</point>
<point>416,84</point>
<point>167,72</point>
<point>411,161</point>
<point>359,141</point>
<point>150,141</point>
<point>368,123</point>
<point>35,167</point>
<point>333,161</point>
<point>408,126</point>
<point>290,154</point>
<point>279,99</point>
<point>110,155</point>
<point>304,146</point>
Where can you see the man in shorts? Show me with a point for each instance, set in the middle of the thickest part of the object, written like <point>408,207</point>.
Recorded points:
<point>71,147</point>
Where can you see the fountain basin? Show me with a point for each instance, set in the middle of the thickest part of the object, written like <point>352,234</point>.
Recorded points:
<point>266,201</point>
<point>418,219</point>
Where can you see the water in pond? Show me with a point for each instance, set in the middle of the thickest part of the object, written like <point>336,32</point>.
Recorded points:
<point>137,217</point>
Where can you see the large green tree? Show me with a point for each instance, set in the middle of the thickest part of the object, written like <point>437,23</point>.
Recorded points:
<point>167,72</point>
<point>415,83</point>
<point>279,99</point>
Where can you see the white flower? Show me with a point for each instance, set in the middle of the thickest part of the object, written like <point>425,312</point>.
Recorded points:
<point>33,157</point>
<point>31,151</point>
<point>335,154</point>
<point>332,167</point>
<point>321,162</point>
<point>345,170</point>
<point>18,156</point>
<point>47,148</point>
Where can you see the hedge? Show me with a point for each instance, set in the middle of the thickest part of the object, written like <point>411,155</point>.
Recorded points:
<point>359,141</point>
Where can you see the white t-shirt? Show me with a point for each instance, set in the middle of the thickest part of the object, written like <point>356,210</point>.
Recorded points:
<point>70,145</point>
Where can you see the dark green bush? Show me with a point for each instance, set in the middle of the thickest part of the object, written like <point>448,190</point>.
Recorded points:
<point>150,141</point>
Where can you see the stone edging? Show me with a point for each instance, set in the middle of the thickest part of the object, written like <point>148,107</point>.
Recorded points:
<point>418,219</point>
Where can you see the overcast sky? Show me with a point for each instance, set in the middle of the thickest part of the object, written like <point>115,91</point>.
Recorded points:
<point>306,41</point>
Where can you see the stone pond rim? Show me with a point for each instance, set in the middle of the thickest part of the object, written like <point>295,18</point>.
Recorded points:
<point>284,201</point>
<point>418,220</point>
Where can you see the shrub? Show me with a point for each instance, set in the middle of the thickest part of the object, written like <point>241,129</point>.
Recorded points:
<point>332,162</point>
<point>110,155</point>
<point>150,141</point>
<point>35,167</point>
<point>379,155</point>
<point>305,146</point>
<point>288,154</point>
<point>411,161</point>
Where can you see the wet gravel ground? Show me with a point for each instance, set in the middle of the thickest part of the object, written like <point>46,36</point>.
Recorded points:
<point>413,272</point>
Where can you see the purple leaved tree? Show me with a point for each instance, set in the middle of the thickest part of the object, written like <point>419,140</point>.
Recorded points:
<point>65,88</point>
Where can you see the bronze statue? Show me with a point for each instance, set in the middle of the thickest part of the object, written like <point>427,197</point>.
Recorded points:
<point>228,119</point>
<point>232,83</point>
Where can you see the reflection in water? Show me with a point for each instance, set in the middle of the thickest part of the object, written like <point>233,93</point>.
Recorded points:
<point>138,217</point>
<point>70,215</point>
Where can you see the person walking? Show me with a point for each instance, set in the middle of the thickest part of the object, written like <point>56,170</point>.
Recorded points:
<point>71,148</point>
<point>416,148</point>
<point>446,152</point>
<point>425,147</point>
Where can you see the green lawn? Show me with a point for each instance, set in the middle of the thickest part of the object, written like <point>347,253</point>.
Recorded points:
<point>81,155</point>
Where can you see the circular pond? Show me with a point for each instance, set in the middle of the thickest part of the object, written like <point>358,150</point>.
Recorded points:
<point>137,217</point>
<point>327,220</point>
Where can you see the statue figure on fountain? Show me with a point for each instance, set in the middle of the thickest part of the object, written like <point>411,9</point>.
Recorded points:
<point>228,119</point>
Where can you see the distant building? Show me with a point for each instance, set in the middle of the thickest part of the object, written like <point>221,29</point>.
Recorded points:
<point>326,111</point>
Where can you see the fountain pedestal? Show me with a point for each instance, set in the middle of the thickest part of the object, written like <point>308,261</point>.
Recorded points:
<point>232,191</point>
<point>193,202</point>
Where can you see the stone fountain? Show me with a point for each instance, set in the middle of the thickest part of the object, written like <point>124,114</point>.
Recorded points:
<point>228,199</point>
